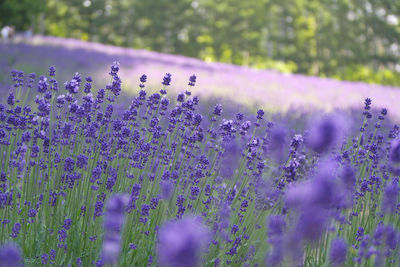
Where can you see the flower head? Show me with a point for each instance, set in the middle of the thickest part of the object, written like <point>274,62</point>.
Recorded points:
<point>192,80</point>
<point>167,79</point>
<point>325,133</point>
<point>10,255</point>
<point>113,222</point>
<point>180,242</point>
<point>338,252</point>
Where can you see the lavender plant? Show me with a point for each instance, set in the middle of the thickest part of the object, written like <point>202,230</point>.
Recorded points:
<point>85,183</point>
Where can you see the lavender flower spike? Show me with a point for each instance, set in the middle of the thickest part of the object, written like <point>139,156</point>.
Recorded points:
<point>114,219</point>
<point>10,255</point>
<point>326,133</point>
<point>180,242</point>
<point>338,252</point>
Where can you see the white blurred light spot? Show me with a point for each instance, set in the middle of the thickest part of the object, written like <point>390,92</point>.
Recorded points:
<point>108,10</point>
<point>87,3</point>
<point>380,12</point>
<point>351,16</point>
<point>195,4</point>
<point>392,20</point>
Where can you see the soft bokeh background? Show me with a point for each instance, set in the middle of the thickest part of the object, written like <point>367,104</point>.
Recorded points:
<point>281,55</point>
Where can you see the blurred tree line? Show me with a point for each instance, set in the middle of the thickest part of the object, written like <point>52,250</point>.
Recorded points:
<point>345,39</point>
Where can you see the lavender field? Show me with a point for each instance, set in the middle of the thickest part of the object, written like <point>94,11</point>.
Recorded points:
<point>267,89</point>
<point>127,164</point>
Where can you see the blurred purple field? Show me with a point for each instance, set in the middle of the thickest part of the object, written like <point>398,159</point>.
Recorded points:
<point>273,91</point>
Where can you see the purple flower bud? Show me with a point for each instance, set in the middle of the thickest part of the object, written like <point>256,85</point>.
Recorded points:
<point>15,230</point>
<point>52,71</point>
<point>45,258</point>
<point>143,78</point>
<point>11,99</point>
<point>98,209</point>
<point>32,213</point>
<point>192,80</point>
<point>167,79</point>
<point>367,102</point>
<point>145,210</point>
<point>260,114</point>
<point>67,224</point>
<point>217,110</point>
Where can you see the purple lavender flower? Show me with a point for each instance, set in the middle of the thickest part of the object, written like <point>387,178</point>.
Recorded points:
<point>145,210</point>
<point>218,110</point>
<point>311,224</point>
<point>53,254</point>
<point>277,142</point>
<point>338,252</point>
<point>166,188</point>
<point>32,213</point>
<point>180,97</point>
<point>260,114</point>
<point>143,78</point>
<point>62,236</point>
<point>360,233</point>
<point>167,79</point>
<point>15,230</point>
<point>181,242</point>
<point>275,257</point>
<point>276,226</point>
<point>98,209</point>
<point>81,161</point>
<point>390,197</point>
<point>42,85</point>
<point>392,237</point>
<point>67,224</point>
<point>114,68</point>
<point>319,191</point>
<point>52,71</point>
<point>11,99</point>
<point>234,229</point>
<point>395,151</point>
<point>10,255</point>
<point>87,88</point>
<point>69,164</point>
<point>325,133</point>
<point>348,177</point>
<point>113,222</point>
<point>44,258</point>
<point>192,80</point>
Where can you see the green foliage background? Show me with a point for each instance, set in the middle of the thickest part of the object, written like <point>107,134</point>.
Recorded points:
<point>345,39</point>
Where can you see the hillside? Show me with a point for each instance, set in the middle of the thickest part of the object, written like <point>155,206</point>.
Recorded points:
<point>269,89</point>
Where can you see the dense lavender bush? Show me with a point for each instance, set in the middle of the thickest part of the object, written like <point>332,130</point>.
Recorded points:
<point>84,183</point>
